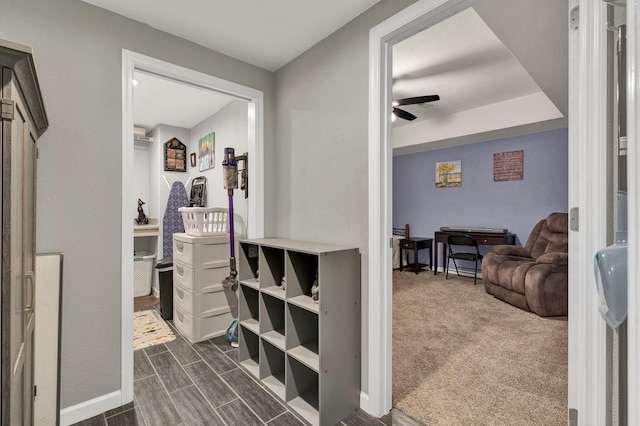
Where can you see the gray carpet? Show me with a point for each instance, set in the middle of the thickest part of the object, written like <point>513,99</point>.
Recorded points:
<point>463,357</point>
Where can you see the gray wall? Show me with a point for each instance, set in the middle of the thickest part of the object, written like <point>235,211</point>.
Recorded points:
<point>78,50</point>
<point>322,146</point>
<point>515,205</point>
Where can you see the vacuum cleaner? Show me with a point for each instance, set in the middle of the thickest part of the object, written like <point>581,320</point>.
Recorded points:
<point>230,177</point>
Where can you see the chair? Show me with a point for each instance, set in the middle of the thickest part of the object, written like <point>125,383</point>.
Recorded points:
<point>460,241</point>
<point>533,277</point>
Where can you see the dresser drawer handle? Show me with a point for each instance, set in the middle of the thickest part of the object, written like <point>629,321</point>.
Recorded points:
<point>179,270</point>
<point>180,246</point>
<point>180,294</point>
<point>484,241</point>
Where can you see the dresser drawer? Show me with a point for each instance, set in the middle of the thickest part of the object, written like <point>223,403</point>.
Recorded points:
<point>202,255</point>
<point>407,244</point>
<point>203,328</point>
<point>198,280</point>
<point>201,304</point>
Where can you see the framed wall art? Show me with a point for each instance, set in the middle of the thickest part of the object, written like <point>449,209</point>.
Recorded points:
<point>207,151</point>
<point>175,156</point>
<point>448,174</point>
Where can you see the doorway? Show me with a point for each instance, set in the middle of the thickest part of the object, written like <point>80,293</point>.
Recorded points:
<point>586,329</point>
<point>132,62</point>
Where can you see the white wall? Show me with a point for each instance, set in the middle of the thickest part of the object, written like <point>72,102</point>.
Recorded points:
<point>230,125</point>
<point>322,146</point>
<point>78,54</point>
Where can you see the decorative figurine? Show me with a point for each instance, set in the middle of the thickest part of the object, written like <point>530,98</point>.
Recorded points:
<point>142,218</point>
<point>283,284</point>
<point>315,291</point>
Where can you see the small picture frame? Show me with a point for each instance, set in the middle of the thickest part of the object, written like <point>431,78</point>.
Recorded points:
<point>194,159</point>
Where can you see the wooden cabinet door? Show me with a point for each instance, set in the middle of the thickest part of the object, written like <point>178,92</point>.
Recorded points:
<point>18,259</point>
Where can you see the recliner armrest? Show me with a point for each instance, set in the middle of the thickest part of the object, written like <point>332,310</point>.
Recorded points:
<point>557,258</point>
<point>509,250</point>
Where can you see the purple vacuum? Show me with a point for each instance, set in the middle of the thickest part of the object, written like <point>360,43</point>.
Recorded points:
<point>230,176</point>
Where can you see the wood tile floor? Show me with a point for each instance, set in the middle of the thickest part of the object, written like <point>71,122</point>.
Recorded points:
<point>178,384</point>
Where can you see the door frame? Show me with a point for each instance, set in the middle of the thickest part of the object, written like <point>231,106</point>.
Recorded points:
<point>587,333</point>
<point>255,227</point>
<point>633,206</point>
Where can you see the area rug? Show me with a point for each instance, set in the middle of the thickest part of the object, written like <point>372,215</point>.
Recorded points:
<point>149,329</point>
<point>463,357</point>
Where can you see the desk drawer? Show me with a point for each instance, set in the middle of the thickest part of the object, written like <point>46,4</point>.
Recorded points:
<point>491,240</point>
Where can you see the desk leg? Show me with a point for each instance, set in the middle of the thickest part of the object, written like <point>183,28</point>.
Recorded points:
<point>415,259</point>
<point>435,257</point>
<point>400,258</point>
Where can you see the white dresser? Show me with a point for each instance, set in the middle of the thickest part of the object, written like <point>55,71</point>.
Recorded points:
<point>202,307</point>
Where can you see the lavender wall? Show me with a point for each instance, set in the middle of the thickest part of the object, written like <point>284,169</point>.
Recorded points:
<point>515,205</point>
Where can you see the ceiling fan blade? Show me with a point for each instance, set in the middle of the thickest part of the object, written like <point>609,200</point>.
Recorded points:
<point>403,114</point>
<point>418,100</point>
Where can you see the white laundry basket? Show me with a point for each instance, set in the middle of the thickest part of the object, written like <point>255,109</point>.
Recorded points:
<point>207,221</point>
<point>142,274</point>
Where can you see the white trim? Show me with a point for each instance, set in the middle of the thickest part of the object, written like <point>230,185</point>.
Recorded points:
<point>587,332</point>
<point>587,380</point>
<point>633,206</point>
<point>255,226</point>
<point>91,408</point>
<point>406,23</point>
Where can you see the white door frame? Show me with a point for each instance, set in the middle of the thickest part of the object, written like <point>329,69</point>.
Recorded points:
<point>587,179</point>
<point>633,206</point>
<point>255,227</point>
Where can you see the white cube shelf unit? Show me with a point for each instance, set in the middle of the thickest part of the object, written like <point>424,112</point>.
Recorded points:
<point>307,353</point>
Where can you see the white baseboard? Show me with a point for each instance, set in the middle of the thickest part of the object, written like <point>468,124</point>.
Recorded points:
<point>155,292</point>
<point>91,408</point>
<point>364,401</point>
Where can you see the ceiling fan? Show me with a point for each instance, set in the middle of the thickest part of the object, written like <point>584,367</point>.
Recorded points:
<point>411,101</point>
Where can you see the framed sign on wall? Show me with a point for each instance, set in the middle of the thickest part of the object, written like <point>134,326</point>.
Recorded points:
<point>175,156</point>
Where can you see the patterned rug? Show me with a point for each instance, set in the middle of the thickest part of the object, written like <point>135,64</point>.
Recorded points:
<point>149,329</point>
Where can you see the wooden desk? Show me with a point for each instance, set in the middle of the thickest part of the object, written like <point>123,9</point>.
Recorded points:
<point>416,244</point>
<point>482,239</point>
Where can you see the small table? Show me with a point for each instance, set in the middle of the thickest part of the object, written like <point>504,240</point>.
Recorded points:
<point>416,244</point>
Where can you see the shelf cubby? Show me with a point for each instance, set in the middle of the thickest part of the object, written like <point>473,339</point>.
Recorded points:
<point>249,311</point>
<point>302,336</point>
<point>249,256</point>
<point>272,320</point>
<point>271,267</point>
<point>249,350</point>
<point>272,368</point>
<point>302,390</point>
<point>302,271</point>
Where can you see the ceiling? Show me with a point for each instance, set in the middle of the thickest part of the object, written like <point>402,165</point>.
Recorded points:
<point>467,69</point>
<point>268,34</point>
<point>471,69</point>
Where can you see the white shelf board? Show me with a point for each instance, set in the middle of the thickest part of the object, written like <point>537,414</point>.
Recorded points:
<point>252,282</point>
<point>274,291</point>
<point>305,302</point>
<point>307,355</point>
<point>251,366</point>
<point>274,337</point>
<point>306,410</point>
<point>276,385</point>
<point>252,325</point>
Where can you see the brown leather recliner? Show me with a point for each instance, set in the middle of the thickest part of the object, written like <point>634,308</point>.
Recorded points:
<point>533,277</point>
